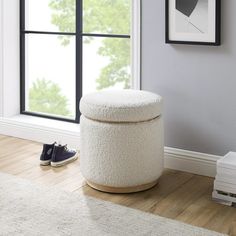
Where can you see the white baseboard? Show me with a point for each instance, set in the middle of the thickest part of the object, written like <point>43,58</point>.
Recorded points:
<point>41,130</point>
<point>177,159</point>
<point>192,162</point>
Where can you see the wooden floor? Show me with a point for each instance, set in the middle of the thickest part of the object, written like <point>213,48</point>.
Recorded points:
<point>181,196</point>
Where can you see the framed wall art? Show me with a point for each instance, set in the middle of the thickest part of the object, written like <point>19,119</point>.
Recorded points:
<point>193,22</point>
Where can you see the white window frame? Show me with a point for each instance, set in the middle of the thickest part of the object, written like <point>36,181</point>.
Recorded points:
<point>136,44</point>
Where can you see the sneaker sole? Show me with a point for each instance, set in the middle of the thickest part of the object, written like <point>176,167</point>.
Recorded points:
<point>62,163</point>
<point>45,163</point>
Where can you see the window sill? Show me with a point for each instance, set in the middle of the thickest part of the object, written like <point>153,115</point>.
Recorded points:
<point>41,129</point>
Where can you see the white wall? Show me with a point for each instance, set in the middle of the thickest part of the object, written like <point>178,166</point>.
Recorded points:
<point>9,59</point>
<point>198,83</point>
<point>1,58</point>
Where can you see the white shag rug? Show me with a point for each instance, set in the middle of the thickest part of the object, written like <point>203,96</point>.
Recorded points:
<point>28,209</point>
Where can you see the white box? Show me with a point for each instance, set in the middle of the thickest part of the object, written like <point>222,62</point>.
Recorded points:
<point>226,178</point>
<point>223,199</point>
<point>228,161</point>
<point>225,187</point>
<point>231,172</point>
<point>225,182</point>
<point>227,165</point>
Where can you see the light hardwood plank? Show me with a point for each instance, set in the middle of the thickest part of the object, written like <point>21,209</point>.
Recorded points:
<point>178,195</point>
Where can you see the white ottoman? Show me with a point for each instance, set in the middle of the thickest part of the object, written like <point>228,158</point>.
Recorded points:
<point>121,140</point>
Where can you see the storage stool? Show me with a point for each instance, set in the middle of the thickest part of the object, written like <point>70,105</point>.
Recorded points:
<point>121,140</point>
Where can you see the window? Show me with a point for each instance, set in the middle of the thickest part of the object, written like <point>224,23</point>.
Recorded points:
<point>70,48</point>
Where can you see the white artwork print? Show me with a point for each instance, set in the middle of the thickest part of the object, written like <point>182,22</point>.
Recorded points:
<point>191,16</point>
<point>192,20</point>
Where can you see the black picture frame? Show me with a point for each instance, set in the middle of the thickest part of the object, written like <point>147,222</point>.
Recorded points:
<point>217,29</point>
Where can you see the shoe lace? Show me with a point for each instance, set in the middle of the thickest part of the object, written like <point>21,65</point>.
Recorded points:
<point>66,148</point>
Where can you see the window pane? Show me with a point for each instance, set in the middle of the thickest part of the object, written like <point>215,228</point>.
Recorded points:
<point>107,16</point>
<point>50,15</point>
<point>50,75</point>
<point>106,64</point>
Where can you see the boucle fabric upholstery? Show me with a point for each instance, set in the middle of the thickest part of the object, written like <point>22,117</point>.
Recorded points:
<point>121,155</point>
<point>121,138</point>
<point>121,106</point>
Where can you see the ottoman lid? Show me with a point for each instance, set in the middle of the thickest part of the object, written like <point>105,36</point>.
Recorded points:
<point>121,105</point>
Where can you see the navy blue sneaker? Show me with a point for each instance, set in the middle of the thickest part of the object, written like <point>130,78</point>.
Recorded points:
<point>62,155</point>
<point>46,155</point>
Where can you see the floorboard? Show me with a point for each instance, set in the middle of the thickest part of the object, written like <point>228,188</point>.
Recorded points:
<point>182,196</point>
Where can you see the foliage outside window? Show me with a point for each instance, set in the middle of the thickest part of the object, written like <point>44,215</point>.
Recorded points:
<point>105,38</point>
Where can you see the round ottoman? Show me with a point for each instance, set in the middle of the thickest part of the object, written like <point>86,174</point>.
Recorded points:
<point>121,140</point>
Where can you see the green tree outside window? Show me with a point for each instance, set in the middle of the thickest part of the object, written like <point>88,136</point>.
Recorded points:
<point>100,16</point>
<point>46,97</point>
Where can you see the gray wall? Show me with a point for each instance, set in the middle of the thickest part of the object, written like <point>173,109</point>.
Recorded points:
<point>198,83</point>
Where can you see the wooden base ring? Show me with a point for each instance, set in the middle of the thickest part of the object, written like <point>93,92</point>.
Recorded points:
<point>131,189</point>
